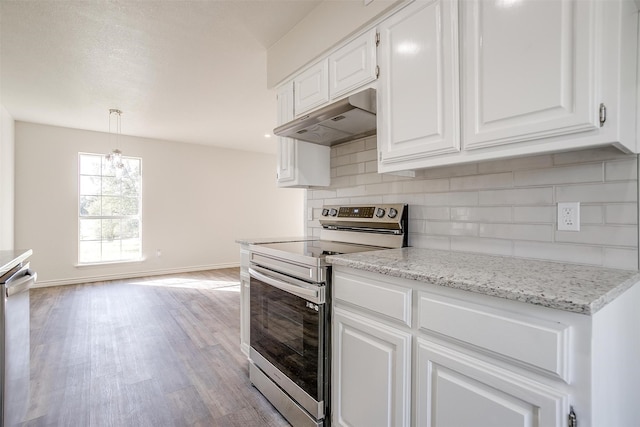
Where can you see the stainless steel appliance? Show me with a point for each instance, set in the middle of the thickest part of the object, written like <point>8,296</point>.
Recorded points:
<point>14,312</point>
<point>290,302</point>
<point>347,119</point>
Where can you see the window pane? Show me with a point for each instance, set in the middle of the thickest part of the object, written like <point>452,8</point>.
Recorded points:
<point>129,206</point>
<point>90,164</point>
<point>111,205</point>
<point>89,206</point>
<point>90,185</point>
<point>130,228</point>
<point>90,229</point>
<point>110,229</point>
<point>90,251</point>
<point>106,195</point>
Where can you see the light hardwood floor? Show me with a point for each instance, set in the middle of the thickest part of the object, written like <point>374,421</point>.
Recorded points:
<point>157,351</point>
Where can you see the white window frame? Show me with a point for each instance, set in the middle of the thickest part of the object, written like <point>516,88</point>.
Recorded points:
<point>138,216</point>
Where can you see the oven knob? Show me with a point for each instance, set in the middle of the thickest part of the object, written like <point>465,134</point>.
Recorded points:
<point>325,212</point>
<point>393,213</point>
<point>379,212</point>
<point>333,212</point>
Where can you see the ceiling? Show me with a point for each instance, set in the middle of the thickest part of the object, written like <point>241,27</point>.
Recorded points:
<point>186,71</point>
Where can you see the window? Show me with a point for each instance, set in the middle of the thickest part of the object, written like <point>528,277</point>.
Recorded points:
<point>109,204</point>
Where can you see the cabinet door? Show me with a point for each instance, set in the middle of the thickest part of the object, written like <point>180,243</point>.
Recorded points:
<point>311,87</point>
<point>529,70</point>
<point>418,84</point>
<point>455,389</point>
<point>286,146</point>
<point>353,65</point>
<point>371,373</point>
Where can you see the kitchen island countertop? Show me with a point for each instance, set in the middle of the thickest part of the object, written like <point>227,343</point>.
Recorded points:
<point>571,287</point>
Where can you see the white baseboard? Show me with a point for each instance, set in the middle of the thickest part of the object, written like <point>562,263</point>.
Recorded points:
<point>129,275</point>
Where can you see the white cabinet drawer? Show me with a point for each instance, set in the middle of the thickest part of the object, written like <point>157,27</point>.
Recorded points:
<point>532,342</point>
<point>382,298</point>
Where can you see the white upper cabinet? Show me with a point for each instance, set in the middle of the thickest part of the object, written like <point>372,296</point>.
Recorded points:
<point>530,70</point>
<point>311,87</point>
<point>353,65</point>
<point>300,164</point>
<point>418,84</point>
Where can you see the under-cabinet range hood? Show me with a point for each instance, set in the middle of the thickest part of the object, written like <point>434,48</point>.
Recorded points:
<point>347,119</point>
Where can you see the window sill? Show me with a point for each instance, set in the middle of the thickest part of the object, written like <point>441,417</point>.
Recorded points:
<point>109,263</point>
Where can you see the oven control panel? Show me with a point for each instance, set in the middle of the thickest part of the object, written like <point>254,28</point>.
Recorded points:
<point>376,213</point>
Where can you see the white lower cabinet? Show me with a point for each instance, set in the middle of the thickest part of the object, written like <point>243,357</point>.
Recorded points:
<point>455,389</point>
<point>371,365</point>
<point>244,299</point>
<point>413,353</point>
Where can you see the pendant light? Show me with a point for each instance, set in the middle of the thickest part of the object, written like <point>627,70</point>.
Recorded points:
<point>115,129</point>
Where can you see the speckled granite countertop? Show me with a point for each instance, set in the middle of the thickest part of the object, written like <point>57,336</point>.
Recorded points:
<point>570,287</point>
<point>264,240</point>
<point>9,259</point>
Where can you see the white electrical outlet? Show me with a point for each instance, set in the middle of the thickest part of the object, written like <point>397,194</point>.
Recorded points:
<point>569,216</point>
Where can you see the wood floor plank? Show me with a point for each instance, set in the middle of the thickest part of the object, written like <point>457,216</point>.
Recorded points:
<point>154,351</point>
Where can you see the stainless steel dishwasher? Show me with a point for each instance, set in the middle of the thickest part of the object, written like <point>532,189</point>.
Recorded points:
<point>15,345</point>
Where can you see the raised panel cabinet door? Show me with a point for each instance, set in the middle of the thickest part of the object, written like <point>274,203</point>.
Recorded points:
<point>456,389</point>
<point>353,65</point>
<point>311,88</point>
<point>529,70</point>
<point>286,147</point>
<point>371,373</point>
<point>418,85</point>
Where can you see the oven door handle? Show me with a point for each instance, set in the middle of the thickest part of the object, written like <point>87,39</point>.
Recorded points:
<point>314,295</point>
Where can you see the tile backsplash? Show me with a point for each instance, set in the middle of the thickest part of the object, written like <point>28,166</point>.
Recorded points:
<point>505,207</point>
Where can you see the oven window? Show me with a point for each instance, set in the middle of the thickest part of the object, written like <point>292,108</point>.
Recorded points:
<point>286,331</point>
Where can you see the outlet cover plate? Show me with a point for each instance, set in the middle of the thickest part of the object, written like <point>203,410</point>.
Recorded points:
<point>569,216</point>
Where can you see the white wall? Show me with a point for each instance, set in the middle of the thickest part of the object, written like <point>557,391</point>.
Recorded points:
<point>196,201</point>
<point>6,179</point>
<point>328,24</point>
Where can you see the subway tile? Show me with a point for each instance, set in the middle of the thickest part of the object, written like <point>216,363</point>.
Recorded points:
<point>449,171</point>
<point>350,147</point>
<point>481,245</point>
<point>535,232</point>
<point>534,214</point>
<point>604,235</point>
<point>342,181</point>
<point>321,194</point>
<point>365,200</point>
<point>371,143</point>
<point>351,191</point>
<point>623,213</point>
<point>413,200</point>
<point>480,182</point>
<point>469,198</point>
<point>481,214</point>
<point>621,170</point>
<point>519,163</point>
<point>437,213</point>
<point>315,203</point>
<point>429,242</point>
<point>626,259</point>
<point>371,167</point>
<point>591,172</point>
<point>367,178</point>
<point>589,155</point>
<point>384,188</point>
<point>591,214</point>
<point>353,169</point>
<point>425,186</point>
<point>598,193</point>
<point>580,254</point>
<point>520,196</point>
<point>342,161</point>
<point>366,156</point>
<point>446,228</point>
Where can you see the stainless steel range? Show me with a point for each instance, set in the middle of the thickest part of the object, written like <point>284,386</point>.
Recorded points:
<point>290,305</point>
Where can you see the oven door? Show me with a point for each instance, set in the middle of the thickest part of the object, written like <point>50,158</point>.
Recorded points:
<point>287,330</point>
